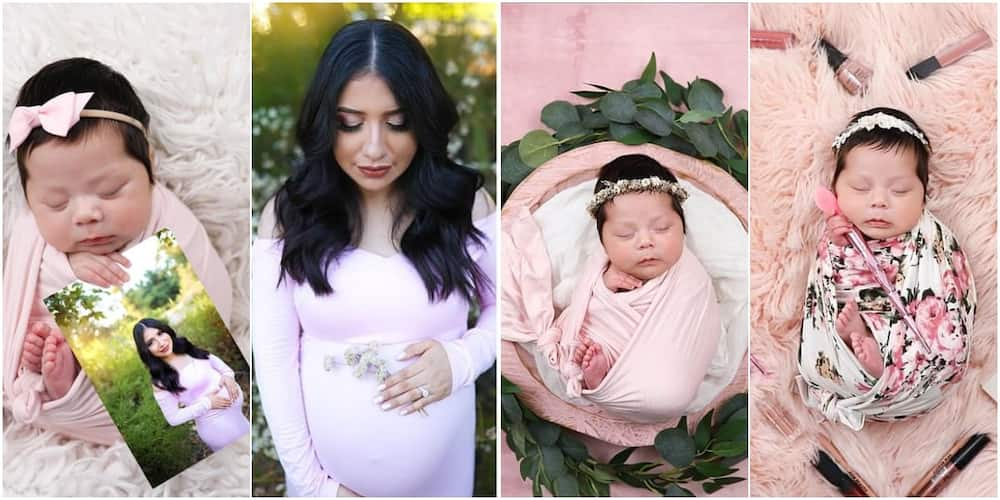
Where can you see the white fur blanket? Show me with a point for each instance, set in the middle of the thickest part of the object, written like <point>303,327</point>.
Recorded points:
<point>797,108</point>
<point>190,65</point>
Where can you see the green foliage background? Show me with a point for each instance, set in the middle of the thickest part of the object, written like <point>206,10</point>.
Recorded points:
<point>108,355</point>
<point>288,40</point>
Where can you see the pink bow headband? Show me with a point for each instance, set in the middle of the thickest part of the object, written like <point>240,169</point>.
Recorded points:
<point>57,116</point>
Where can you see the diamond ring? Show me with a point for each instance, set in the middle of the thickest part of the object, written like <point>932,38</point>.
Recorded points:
<point>424,393</point>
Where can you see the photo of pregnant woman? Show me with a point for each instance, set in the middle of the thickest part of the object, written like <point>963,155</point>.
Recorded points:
<point>375,262</point>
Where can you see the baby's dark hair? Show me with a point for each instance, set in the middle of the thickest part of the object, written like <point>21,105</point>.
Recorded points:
<point>634,167</point>
<point>112,92</point>
<point>886,139</point>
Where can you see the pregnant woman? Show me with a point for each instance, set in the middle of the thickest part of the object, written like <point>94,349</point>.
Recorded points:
<point>367,263</point>
<point>191,384</point>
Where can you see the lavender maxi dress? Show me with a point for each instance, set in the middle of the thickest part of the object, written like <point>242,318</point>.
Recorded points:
<point>320,409</point>
<point>200,379</point>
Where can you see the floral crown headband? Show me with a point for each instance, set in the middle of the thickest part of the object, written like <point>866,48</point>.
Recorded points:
<point>878,120</point>
<point>624,186</point>
<point>58,115</point>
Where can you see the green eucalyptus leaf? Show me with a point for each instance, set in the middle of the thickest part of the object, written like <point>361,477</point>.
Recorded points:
<point>519,437</point>
<point>652,122</point>
<point>566,486</point>
<point>704,95</point>
<point>573,447</point>
<point>735,428</point>
<point>701,138</point>
<point>622,456</point>
<point>642,91</point>
<point>529,467</point>
<point>510,408</point>
<point>675,91</point>
<point>704,432</point>
<point>675,446</point>
<point>574,130</point>
<point>553,461</point>
<point>649,74</point>
<point>546,433</point>
<point>698,116</point>
<point>729,448</point>
<point>713,469</point>
<point>603,473</point>
<point>711,487</point>
<point>537,147</point>
<point>592,119</point>
<point>728,480</point>
<point>628,134</point>
<point>618,107</point>
<point>682,423</point>
<point>731,461</point>
<point>589,94</point>
<point>506,386</point>
<point>731,406</point>
<point>602,87</point>
<point>512,169</point>
<point>738,165</point>
<point>659,107</point>
<point>558,113</point>
<point>676,143</point>
<point>536,485</point>
<point>723,147</point>
<point>742,119</point>
<point>673,490</point>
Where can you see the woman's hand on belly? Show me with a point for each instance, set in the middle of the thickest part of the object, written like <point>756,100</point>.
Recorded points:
<point>234,390</point>
<point>432,371</point>
<point>220,400</point>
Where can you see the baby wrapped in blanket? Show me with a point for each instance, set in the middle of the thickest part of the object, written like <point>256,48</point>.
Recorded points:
<point>85,165</point>
<point>858,357</point>
<point>643,324</point>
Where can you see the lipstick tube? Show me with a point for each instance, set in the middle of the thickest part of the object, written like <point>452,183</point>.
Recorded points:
<point>761,39</point>
<point>948,55</point>
<point>851,74</point>
<point>949,466</point>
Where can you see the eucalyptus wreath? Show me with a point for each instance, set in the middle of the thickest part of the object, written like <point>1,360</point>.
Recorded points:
<point>689,119</point>
<point>551,457</point>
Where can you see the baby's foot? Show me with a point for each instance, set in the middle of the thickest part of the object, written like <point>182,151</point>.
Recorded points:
<point>866,349</point>
<point>59,367</point>
<point>34,342</point>
<point>595,366</point>
<point>581,349</point>
<point>849,320</point>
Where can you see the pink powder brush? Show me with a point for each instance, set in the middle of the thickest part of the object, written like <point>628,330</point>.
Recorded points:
<point>827,202</point>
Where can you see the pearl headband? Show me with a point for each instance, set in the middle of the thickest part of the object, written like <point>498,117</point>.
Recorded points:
<point>878,120</point>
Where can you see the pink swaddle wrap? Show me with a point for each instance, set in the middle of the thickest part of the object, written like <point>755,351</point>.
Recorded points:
<point>35,270</point>
<point>661,337</point>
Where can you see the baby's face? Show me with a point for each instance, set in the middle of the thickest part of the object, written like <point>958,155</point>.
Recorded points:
<point>879,191</point>
<point>643,235</point>
<point>90,196</point>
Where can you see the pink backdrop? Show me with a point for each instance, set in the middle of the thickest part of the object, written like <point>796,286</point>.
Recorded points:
<point>549,50</point>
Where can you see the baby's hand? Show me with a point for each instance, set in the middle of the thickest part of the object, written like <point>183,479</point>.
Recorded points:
<point>617,280</point>
<point>100,270</point>
<point>837,227</point>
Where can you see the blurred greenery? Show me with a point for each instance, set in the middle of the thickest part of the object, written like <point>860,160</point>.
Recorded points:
<point>107,353</point>
<point>287,42</point>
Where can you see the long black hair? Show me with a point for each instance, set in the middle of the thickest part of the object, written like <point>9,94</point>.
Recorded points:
<point>164,376</point>
<point>318,208</point>
<point>634,166</point>
<point>112,92</point>
<point>886,139</point>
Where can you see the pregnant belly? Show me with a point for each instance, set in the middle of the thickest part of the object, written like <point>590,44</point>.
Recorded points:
<point>383,453</point>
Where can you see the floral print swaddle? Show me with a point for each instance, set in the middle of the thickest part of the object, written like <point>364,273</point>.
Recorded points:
<point>931,274</point>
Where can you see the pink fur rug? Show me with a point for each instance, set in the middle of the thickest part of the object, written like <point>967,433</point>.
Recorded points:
<point>797,108</point>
